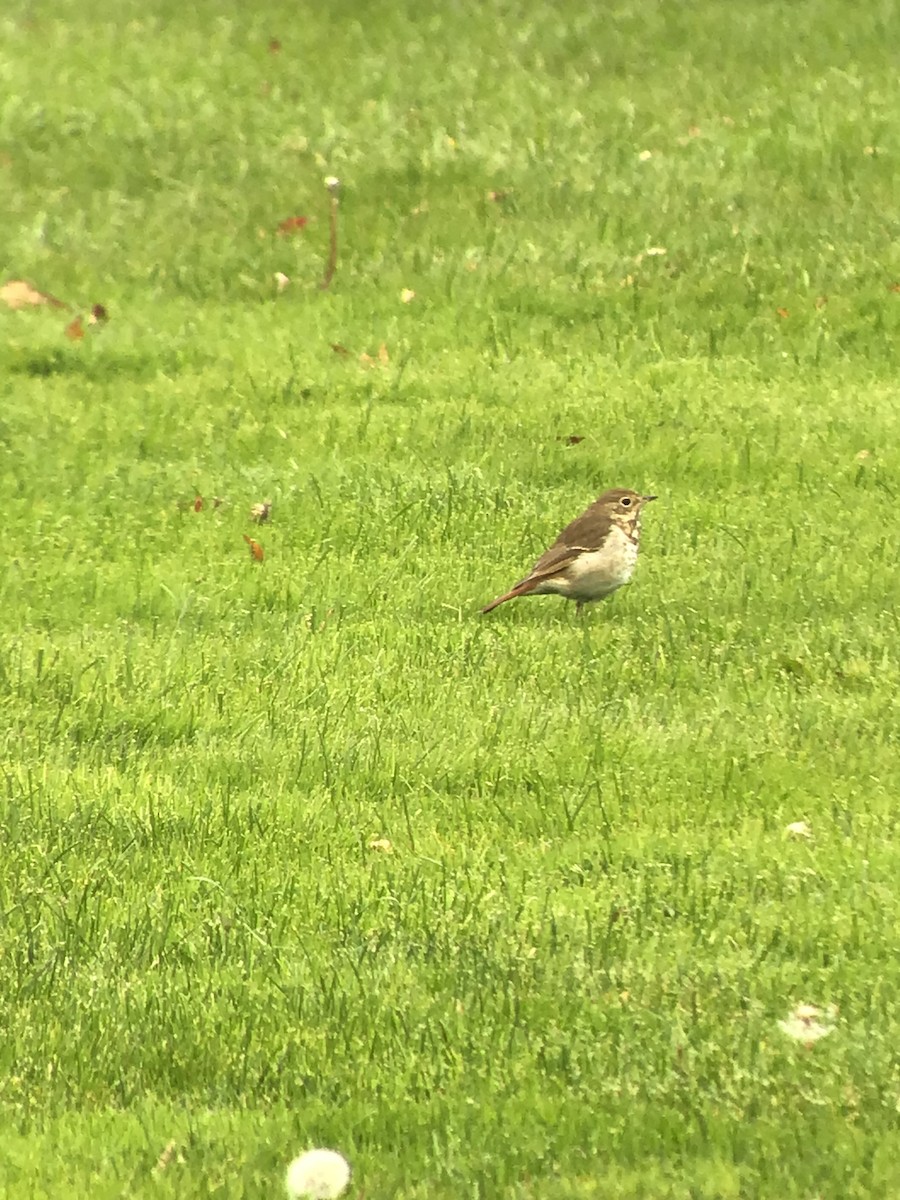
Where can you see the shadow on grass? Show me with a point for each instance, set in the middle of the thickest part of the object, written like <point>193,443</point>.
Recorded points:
<point>54,361</point>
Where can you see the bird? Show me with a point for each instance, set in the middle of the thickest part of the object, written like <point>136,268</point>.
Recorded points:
<point>593,556</point>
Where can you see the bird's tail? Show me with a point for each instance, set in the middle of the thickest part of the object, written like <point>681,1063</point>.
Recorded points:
<point>519,590</point>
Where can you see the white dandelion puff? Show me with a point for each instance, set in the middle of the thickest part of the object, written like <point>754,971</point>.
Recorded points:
<point>807,1023</point>
<point>798,829</point>
<point>318,1175</point>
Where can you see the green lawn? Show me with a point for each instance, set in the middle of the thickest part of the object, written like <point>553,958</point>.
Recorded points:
<point>306,851</point>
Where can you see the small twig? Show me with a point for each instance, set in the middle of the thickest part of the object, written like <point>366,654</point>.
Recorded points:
<point>332,184</point>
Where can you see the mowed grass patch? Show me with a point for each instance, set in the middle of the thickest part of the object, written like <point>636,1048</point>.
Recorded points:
<point>305,851</point>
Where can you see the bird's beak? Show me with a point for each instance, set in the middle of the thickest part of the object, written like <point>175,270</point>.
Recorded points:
<point>644,499</point>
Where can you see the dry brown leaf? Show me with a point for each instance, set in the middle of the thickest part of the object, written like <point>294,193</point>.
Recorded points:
<point>166,1156</point>
<point>17,293</point>
<point>292,225</point>
<point>382,360</point>
<point>198,504</point>
<point>256,550</point>
<point>783,313</point>
<point>75,329</point>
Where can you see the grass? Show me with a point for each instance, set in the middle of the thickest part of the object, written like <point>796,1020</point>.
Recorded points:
<point>305,852</point>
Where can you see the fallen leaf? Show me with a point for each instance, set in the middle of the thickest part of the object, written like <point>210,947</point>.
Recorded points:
<point>166,1156</point>
<point>383,358</point>
<point>406,295</point>
<point>292,225</point>
<point>256,550</point>
<point>572,439</point>
<point>783,313</point>
<point>75,330</point>
<point>17,293</point>
<point>281,280</point>
<point>198,504</point>
<point>261,512</point>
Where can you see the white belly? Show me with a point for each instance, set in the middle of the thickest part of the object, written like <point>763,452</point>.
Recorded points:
<point>597,573</point>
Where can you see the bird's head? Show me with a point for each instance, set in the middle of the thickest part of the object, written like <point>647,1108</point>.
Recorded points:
<point>622,504</point>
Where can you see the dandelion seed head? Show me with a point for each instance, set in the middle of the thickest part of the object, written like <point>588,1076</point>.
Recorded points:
<point>317,1175</point>
<point>807,1023</point>
<point>798,829</point>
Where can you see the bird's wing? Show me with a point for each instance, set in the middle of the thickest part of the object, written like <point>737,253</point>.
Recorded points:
<point>554,560</point>
<point>587,532</point>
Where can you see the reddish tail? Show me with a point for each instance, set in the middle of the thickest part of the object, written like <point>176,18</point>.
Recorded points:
<point>521,589</point>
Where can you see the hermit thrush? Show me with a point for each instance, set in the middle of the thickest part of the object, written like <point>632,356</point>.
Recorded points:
<point>592,557</point>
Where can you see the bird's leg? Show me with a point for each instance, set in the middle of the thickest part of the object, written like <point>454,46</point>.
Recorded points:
<point>579,605</point>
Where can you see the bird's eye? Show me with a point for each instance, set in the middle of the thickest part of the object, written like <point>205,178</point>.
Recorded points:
<point>626,502</point>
